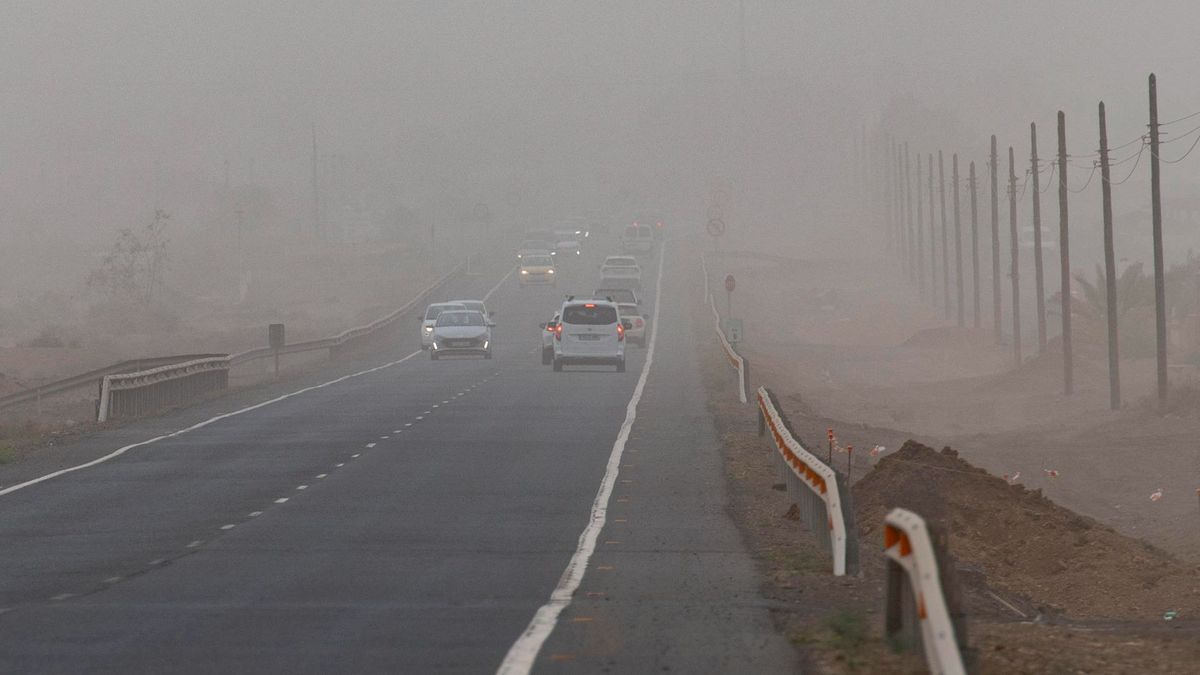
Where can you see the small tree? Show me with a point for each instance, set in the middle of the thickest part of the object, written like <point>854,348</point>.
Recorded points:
<point>133,268</point>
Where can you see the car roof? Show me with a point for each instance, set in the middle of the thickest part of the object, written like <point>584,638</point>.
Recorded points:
<point>444,304</point>
<point>462,301</point>
<point>460,311</point>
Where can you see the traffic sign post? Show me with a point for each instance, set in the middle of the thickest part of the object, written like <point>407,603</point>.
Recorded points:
<point>730,284</point>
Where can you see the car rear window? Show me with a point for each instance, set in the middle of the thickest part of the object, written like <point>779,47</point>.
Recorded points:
<point>434,310</point>
<point>590,315</point>
<point>631,230</point>
<point>460,318</point>
<point>621,262</point>
<point>645,233</point>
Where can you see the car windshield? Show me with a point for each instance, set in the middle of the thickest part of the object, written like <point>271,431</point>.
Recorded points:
<point>629,310</point>
<point>460,318</point>
<point>434,310</point>
<point>621,262</point>
<point>590,314</point>
<point>538,261</point>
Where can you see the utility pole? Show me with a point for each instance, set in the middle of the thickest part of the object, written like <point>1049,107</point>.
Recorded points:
<point>886,191</point>
<point>1064,257</point>
<point>920,235</point>
<point>316,214</point>
<point>1160,284</point>
<point>1037,239</point>
<point>908,215</point>
<point>974,245</point>
<point>1014,263</point>
<point>1110,271</point>
<point>958,266</point>
<point>945,239</point>
<point>900,227</point>
<point>932,241</point>
<point>996,298</point>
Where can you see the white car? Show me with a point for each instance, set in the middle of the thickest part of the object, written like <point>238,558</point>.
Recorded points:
<point>567,247</point>
<point>620,296</point>
<point>634,322</point>
<point>461,331</point>
<point>430,317</point>
<point>589,332</point>
<point>621,271</point>
<point>535,247</point>
<point>537,269</point>
<point>549,329</point>
<point>637,238</point>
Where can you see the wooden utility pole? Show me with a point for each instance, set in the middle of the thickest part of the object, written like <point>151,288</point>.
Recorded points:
<point>996,297</point>
<point>1038,280</point>
<point>1014,262</point>
<point>920,234</point>
<point>958,266</point>
<point>945,239</point>
<point>1064,257</point>
<point>932,241</point>
<point>1110,271</point>
<point>909,226</point>
<point>901,240</point>
<point>316,205</point>
<point>974,244</point>
<point>1160,284</point>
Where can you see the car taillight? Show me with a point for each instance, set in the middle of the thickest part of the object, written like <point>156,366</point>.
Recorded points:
<point>558,332</point>
<point>620,332</point>
<point>637,323</point>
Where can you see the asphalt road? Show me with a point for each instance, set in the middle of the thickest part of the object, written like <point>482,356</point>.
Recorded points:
<point>412,518</point>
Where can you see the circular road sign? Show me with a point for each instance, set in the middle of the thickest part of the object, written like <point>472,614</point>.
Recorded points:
<point>730,283</point>
<point>715,211</point>
<point>715,227</point>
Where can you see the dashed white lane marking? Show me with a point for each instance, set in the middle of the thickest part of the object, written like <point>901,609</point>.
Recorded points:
<point>62,596</point>
<point>228,526</point>
<point>523,653</point>
<point>384,438</point>
<point>370,445</point>
<point>255,514</point>
<point>408,424</point>
<point>156,562</point>
<point>435,405</point>
<point>426,413</point>
<point>420,417</point>
<point>281,500</point>
<point>301,487</point>
<point>355,455</point>
<point>322,475</point>
<point>445,402</point>
<point>112,580</point>
<point>339,465</point>
<point>396,431</point>
<point>200,425</point>
<point>5,610</point>
<point>196,543</point>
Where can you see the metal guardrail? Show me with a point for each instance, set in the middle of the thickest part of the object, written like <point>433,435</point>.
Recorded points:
<point>817,488</point>
<point>736,360</point>
<point>89,379</point>
<point>912,562</point>
<point>144,391</point>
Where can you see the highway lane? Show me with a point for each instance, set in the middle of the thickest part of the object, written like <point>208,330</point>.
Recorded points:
<point>411,519</point>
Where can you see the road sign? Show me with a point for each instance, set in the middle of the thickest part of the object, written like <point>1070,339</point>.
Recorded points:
<point>733,331</point>
<point>715,211</point>
<point>715,227</point>
<point>730,283</point>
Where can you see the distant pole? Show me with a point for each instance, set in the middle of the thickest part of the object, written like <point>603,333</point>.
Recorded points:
<point>316,214</point>
<point>932,241</point>
<point>885,190</point>
<point>974,244</point>
<point>1160,284</point>
<point>945,238</point>
<point>1064,257</point>
<point>958,266</point>
<point>996,298</point>
<point>920,234</point>
<point>1037,238</point>
<point>908,214</point>
<point>1014,263</point>
<point>902,238</point>
<point>1110,271</point>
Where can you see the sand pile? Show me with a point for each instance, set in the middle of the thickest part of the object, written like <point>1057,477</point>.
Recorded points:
<point>1022,544</point>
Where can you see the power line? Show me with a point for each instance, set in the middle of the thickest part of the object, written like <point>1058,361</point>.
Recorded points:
<point>1176,161</point>
<point>1185,117</point>
<point>1134,168</point>
<point>1095,167</point>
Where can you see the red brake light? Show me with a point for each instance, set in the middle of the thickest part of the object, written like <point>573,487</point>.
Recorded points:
<point>637,322</point>
<point>658,224</point>
<point>558,332</point>
<point>590,305</point>
<point>620,332</point>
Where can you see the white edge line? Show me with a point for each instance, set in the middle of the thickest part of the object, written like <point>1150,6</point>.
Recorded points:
<point>521,656</point>
<point>200,425</point>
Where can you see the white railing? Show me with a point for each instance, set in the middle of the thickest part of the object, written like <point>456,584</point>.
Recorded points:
<point>162,385</point>
<point>735,359</point>
<point>815,478</point>
<point>908,544</point>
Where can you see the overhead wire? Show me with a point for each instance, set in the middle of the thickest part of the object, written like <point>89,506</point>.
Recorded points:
<point>1095,167</point>
<point>1131,170</point>
<point>1180,159</point>
<point>1185,117</point>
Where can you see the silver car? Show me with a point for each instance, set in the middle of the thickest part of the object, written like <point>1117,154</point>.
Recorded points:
<point>463,332</point>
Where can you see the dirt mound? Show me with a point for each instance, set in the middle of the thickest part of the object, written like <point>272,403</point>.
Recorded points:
<point>949,337</point>
<point>1025,545</point>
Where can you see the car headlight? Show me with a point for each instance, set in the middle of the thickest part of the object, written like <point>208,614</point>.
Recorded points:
<point>577,252</point>
<point>524,271</point>
<point>549,271</point>
<point>428,329</point>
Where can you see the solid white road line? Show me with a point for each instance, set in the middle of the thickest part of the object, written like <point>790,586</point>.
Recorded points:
<point>120,451</point>
<point>522,655</point>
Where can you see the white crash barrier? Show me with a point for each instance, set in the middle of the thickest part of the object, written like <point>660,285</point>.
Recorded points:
<point>132,394</point>
<point>735,360</point>
<point>819,496</point>
<point>908,544</point>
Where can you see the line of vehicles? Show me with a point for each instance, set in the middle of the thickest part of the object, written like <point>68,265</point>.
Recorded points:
<point>585,330</point>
